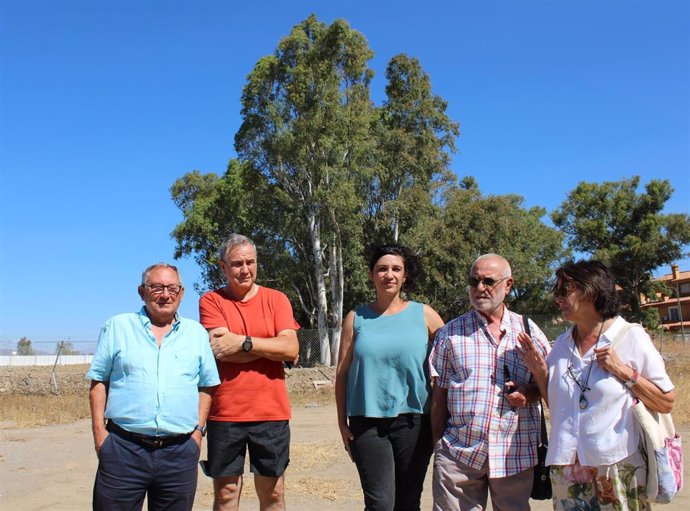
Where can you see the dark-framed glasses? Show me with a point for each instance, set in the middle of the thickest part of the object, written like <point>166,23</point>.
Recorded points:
<point>583,403</point>
<point>487,281</point>
<point>569,372</point>
<point>157,289</point>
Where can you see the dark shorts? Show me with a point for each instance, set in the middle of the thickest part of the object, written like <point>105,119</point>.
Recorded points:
<point>268,443</point>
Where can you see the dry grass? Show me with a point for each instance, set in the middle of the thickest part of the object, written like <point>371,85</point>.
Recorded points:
<point>312,476</point>
<point>40,410</point>
<point>28,411</point>
<point>318,397</point>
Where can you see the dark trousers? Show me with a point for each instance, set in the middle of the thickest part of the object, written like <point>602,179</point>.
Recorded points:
<point>392,456</point>
<point>127,472</point>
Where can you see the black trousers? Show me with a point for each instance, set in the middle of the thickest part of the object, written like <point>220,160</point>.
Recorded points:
<point>392,456</point>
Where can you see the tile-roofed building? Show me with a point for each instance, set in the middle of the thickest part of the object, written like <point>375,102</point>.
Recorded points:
<point>674,308</point>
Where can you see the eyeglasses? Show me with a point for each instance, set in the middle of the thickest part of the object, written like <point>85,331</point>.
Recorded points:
<point>569,372</point>
<point>157,289</point>
<point>562,291</point>
<point>487,281</point>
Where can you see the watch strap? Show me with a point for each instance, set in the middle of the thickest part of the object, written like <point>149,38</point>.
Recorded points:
<point>633,379</point>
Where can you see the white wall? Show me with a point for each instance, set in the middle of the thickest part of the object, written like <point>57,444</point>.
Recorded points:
<point>43,360</point>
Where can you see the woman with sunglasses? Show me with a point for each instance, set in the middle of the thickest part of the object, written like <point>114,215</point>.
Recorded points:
<point>382,384</point>
<point>591,379</point>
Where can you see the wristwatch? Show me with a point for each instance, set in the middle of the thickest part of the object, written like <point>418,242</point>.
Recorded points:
<point>633,379</point>
<point>247,345</point>
<point>200,429</point>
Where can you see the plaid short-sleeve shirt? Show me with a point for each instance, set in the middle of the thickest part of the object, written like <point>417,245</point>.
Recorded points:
<point>474,367</point>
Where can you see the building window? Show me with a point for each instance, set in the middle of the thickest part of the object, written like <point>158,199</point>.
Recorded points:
<point>674,314</point>
<point>685,288</point>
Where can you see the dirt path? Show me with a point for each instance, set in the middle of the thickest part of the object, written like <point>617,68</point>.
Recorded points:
<point>52,468</point>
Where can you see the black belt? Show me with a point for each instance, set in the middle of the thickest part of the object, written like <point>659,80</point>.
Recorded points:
<point>153,442</point>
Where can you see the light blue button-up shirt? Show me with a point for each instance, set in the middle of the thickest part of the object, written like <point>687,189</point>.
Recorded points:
<point>153,390</point>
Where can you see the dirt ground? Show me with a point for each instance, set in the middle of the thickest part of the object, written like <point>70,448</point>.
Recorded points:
<point>52,468</point>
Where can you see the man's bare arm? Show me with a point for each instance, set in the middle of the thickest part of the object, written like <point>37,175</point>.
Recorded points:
<point>205,395</point>
<point>98,397</point>
<point>439,412</point>
<point>239,357</point>
<point>227,346</point>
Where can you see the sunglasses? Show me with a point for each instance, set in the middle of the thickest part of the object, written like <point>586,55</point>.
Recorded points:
<point>563,291</point>
<point>487,281</point>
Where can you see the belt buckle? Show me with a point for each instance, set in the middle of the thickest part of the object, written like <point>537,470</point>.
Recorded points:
<point>156,443</point>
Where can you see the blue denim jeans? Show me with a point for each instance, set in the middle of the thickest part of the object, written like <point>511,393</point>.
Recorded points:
<point>392,456</point>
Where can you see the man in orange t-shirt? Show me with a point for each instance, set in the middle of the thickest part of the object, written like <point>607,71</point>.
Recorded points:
<point>252,331</point>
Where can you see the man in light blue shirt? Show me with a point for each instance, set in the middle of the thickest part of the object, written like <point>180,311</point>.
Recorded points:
<point>151,386</point>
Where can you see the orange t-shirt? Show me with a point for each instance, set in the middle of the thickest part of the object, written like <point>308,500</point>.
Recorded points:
<point>254,391</point>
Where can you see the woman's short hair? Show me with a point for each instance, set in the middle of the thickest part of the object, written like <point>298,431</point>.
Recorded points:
<point>596,282</point>
<point>412,262</point>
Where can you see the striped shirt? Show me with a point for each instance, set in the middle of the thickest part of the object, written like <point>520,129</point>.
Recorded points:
<point>474,367</point>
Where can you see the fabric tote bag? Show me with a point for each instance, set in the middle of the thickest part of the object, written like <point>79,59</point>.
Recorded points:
<point>664,453</point>
<point>661,443</point>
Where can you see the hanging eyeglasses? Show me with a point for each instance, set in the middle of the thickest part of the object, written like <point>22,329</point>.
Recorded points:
<point>569,372</point>
<point>583,387</point>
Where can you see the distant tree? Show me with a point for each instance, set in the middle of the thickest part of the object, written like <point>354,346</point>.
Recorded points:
<point>650,318</point>
<point>67,348</point>
<point>24,347</point>
<point>306,120</point>
<point>626,230</point>
<point>213,207</point>
<point>467,225</point>
<point>415,138</point>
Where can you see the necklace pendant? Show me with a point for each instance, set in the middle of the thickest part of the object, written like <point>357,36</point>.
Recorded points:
<point>583,402</point>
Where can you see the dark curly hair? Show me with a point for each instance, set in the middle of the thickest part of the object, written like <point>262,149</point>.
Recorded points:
<point>412,262</point>
<point>596,282</point>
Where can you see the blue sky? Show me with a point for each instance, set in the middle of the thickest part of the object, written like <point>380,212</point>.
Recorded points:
<point>104,104</point>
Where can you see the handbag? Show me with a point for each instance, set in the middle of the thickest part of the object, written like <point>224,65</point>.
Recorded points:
<point>662,445</point>
<point>541,487</point>
<point>664,451</point>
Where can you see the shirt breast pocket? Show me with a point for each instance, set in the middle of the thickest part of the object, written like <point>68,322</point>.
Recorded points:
<point>186,365</point>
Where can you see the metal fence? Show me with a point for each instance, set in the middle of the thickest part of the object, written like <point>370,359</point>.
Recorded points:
<point>309,348</point>
<point>310,351</point>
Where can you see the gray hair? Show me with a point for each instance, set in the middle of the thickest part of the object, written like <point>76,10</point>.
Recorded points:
<point>504,262</point>
<point>232,241</point>
<point>145,274</point>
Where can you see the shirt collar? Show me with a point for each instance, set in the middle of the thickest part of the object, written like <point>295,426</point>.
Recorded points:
<point>614,328</point>
<point>505,319</point>
<point>146,321</point>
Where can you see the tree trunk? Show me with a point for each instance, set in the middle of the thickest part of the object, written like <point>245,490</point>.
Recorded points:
<point>337,290</point>
<point>321,300</point>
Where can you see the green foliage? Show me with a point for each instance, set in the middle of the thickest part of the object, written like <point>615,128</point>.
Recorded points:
<point>415,137</point>
<point>322,174</point>
<point>67,348</point>
<point>650,318</point>
<point>24,347</point>
<point>625,229</point>
<point>468,225</point>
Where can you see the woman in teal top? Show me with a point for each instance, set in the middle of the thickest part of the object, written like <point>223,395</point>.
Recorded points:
<point>382,384</point>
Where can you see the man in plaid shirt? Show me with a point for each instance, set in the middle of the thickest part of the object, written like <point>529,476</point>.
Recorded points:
<point>485,413</point>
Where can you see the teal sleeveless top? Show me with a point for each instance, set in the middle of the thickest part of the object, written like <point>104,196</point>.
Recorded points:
<point>389,372</point>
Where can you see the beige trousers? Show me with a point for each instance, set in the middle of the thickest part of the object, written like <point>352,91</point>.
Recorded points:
<point>459,487</point>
